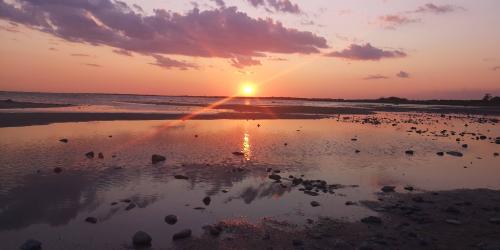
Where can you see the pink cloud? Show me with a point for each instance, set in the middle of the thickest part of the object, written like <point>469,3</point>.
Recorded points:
<point>169,63</point>
<point>219,33</point>
<point>437,9</point>
<point>392,21</point>
<point>366,52</point>
<point>277,5</point>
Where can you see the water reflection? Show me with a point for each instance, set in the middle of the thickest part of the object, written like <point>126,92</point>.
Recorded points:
<point>246,146</point>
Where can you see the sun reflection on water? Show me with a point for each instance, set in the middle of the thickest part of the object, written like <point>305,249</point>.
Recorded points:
<point>246,146</point>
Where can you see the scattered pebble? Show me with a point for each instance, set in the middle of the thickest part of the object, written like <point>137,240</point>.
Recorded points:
<point>186,233</point>
<point>141,239</point>
<point>171,219</point>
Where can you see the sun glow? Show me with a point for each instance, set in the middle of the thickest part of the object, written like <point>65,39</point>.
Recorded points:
<point>248,89</point>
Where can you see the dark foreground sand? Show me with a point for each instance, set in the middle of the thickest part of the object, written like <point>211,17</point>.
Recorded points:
<point>459,219</point>
<point>10,104</point>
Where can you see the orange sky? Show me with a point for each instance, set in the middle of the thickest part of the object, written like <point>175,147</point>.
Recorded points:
<point>359,49</point>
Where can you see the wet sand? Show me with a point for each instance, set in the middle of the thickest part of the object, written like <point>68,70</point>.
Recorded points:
<point>262,178</point>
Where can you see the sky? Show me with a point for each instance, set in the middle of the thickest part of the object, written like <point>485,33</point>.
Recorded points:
<point>315,48</point>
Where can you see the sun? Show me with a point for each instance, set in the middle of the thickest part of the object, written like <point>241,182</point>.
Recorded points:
<point>248,89</point>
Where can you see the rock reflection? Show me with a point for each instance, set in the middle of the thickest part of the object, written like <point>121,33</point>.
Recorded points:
<point>264,190</point>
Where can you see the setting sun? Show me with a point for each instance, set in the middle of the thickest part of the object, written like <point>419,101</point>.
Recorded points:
<point>248,89</point>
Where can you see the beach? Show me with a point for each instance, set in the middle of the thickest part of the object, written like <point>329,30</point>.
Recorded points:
<point>252,177</point>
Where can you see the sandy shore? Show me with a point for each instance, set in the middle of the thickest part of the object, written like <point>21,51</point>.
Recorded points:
<point>459,219</point>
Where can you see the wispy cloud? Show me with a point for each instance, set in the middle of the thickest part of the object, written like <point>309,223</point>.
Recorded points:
<point>169,63</point>
<point>393,21</point>
<point>437,9</point>
<point>376,77</point>
<point>403,74</point>
<point>285,6</point>
<point>366,52</point>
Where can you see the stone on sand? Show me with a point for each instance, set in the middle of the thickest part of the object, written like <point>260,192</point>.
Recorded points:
<point>141,238</point>
<point>388,189</point>
<point>455,153</point>
<point>171,219</point>
<point>90,154</point>
<point>275,177</point>
<point>207,201</point>
<point>31,244</point>
<point>186,233</point>
<point>157,158</point>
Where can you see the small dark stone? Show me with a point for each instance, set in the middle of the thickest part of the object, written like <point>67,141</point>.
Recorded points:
<point>440,153</point>
<point>455,153</point>
<point>207,201</point>
<point>372,220</point>
<point>57,170</point>
<point>171,219</point>
<point>388,189</point>
<point>130,206</point>
<point>297,242</point>
<point>465,146</point>
<point>356,151</point>
<point>157,158</point>
<point>350,203</point>
<point>100,156</point>
<point>181,177</point>
<point>238,153</point>
<point>141,239</point>
<point>31,244</point>
<point>90,154</point>
<point>213,230</point>
<point>409,152</point>
<point>186,233</point>
<point>64,140</point>
<point>409,188</point>
<point>314,203</point>
<point>92,220</point>
<point>275,177</point>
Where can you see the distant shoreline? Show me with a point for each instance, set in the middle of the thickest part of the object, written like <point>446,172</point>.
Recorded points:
<point>383,100</point>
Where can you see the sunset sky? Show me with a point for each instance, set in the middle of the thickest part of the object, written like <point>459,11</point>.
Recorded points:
<point>314,48</point>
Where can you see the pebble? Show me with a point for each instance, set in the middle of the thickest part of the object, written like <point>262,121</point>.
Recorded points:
<point>57,170</point>
<point>181,177</point>
<point>455,153</point>
<point>314,203</point>
<point>31,244</point>
<point>141,239</point>
<point>388,189</point>
<point>90,154</point>
<point>64,140</point>
<point>275,177</point>
<point>182,234</point>
<point>207,201</point>
<point>157,158</point>
<point>171,219</point>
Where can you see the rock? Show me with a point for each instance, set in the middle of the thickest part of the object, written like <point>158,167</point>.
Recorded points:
<point>130,206</point>
<point>199,208</point>
<point>186,233</point>
<point>409,188</point>
<point>455,153</point>
<point>388,189</point>
<point>171,219</point>
<point>372,220</point>
<point>314,203</point>
<point>90,154</point>
<point>297,242</point>
<point>238,153</point>
<point>275,177</point>
<point>213,230</point>
<point>206,201</point>
<point>92,220</point>
<point>126,200</point>
<point>141,239</point>
<point>495,220</point>
<point>496,154</point>
<point>453,222</point>
<point>440,153</point>
<point>350,203</point>
<point>409,152</point>
<point>31,244</point>
<point>157,158</point>
<point>100,155</point>
<point>181,177</point>
<point>64,140</point>
<point>58,170</point>
<point>465,146</point>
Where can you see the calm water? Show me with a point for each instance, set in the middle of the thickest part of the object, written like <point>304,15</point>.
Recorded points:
<point>37,203</point>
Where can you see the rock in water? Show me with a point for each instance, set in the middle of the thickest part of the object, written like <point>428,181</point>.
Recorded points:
<point>186,233</point>
<point>372,220</point>
<point>141,239</point>
<point>314,203</point>
<point>64,140</point>
<point>100,156</point>
<point>388,189</point>
<point>171,219</point>
<point>92,220</point>
<point>90,154</point>
<point>455,153</point>
<point>181,177</point>
<point>206,201</point>
<point>157,158</point>
<point>31,244</point>
<point>409,152</point>
<point>440,153</point>
<point>57,170</point>
<point>237,153</point>
<point>275,177</point>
